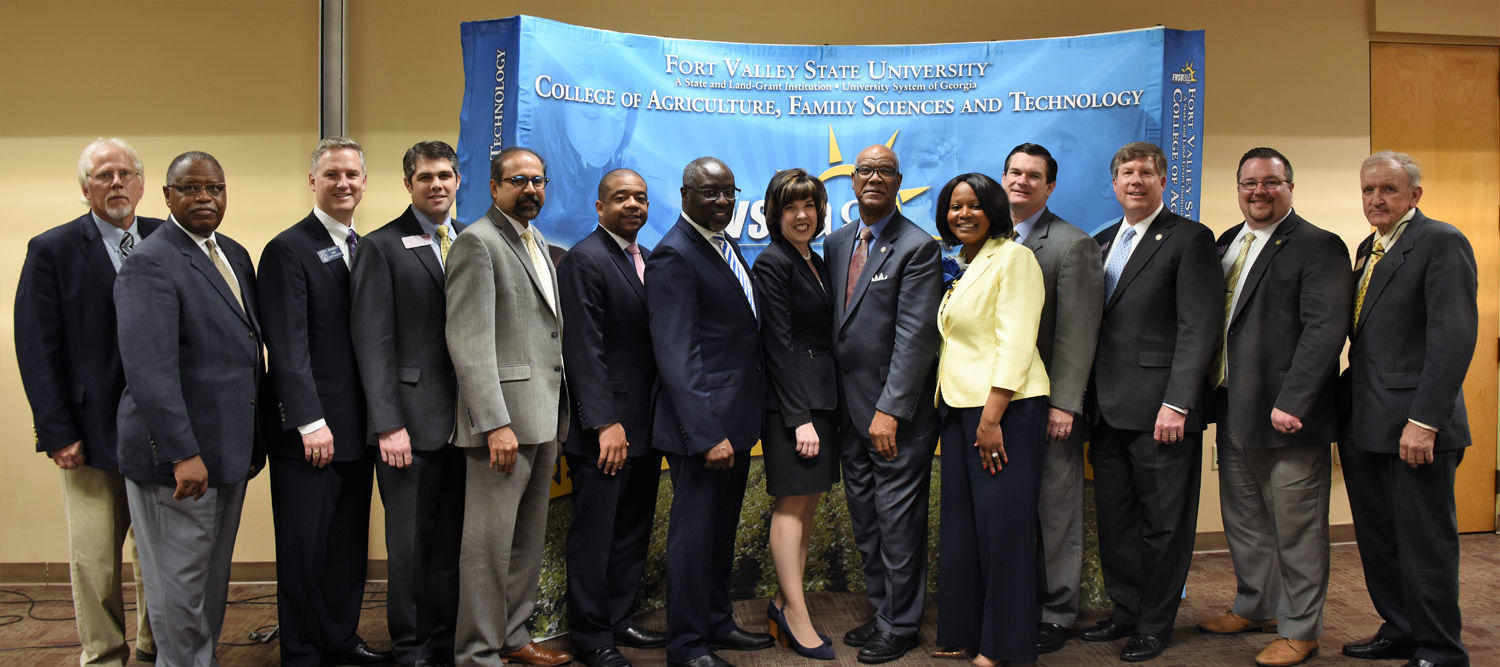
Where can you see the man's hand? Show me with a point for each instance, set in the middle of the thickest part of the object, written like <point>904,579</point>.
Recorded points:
<point>1417,444</point>
<point>1059,424</point>
<point>807,441</point>
<point>1170,425</point>
<point>612,448</point>
<point>395,448</point>
<point>720,456</point>
<point>503,447</point>
<point>69,457</point>
<point>317,447</point>
<point>1285,422</point>
<point>883,435</point>
<point>192,478</point>
<point>991,443</point>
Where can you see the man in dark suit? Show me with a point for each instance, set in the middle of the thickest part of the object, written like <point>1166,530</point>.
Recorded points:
<point>398,308</point>
<point>1163,298</point>
<point>69,360</point>
<point>1074,280</point>
<point>321,469</point>
<point>708,415</point>
<point>614,470</point>
<point>1415,324</point>
<point>190,347</point>
<point>1286,303</point>
<point>888,280</point>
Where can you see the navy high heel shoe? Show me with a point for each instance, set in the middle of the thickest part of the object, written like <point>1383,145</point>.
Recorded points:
<point>778,629</point>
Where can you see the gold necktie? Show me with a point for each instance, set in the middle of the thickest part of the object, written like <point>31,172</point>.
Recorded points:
<point>234,285</point>
<point>444,243</point>
<point>1364,281</point>
<point>539,264</point>
<point>1221,359</point>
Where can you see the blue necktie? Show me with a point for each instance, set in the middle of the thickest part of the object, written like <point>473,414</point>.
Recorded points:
<point>1117,262</point>
<point>734,265</point>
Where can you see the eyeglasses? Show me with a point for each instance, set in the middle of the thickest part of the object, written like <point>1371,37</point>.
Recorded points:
<point>1270,184</point>
<point>710,194</point>
<point>885,172</point>
<point>520,181</point>
<point>107,177</point>
<point>193,189</point>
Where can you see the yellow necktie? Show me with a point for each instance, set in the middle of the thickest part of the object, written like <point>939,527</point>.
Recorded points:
<point>1364,281</point>
<point>234,285</point>
<point>539,265</point>
<point>444,243</point>
<point>1221,359</point>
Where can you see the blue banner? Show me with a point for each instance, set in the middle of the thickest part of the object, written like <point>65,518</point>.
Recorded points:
<point>589,101</point>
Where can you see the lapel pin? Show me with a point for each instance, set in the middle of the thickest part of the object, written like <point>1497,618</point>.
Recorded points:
<point>1280,241</point>
<point>1158,236</point>
<point>884,248</point>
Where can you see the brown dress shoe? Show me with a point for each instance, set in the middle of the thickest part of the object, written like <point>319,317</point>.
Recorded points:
<point>953,653</point>
<point>534,654</point>
<point>1285,652</point>
<point>1230,623</point>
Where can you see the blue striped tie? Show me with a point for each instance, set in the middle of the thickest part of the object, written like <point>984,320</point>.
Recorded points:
<point>1117,262</point>
<point>727,253</point>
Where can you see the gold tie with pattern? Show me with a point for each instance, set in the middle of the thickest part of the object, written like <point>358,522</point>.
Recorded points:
<point>234,285</point>
<point>1221,359</point>
<point>540,265</point>
<point>1364,281</point>
<point>444,243</point>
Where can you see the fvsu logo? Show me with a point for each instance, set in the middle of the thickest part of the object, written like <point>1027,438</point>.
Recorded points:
<point>1185,75</point>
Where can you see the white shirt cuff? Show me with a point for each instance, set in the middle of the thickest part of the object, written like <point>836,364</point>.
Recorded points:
<point>309,428</point>
<point>1179,410</point>
<point>1430,428</point>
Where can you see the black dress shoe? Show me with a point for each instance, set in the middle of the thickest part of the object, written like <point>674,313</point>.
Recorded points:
<point>741,640</point>
<point>362,654</point>
<point>1422,662</point>
<point>420,663</point>
<point>1379,648</point>
<point>1107,630</point>
<point>861,635</point>
<point>607,656</point>
<point>1142,647</point>
<point>709,660</point>
<point>144,656</point>
<point>636,636</point>
<point>885,647</point>
<point>1050,637</point>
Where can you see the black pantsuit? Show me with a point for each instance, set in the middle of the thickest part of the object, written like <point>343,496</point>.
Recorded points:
<point>424,505</point>
<point>607,542</point>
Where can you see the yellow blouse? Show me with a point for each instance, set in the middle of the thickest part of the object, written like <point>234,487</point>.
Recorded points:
<point>989,322</point>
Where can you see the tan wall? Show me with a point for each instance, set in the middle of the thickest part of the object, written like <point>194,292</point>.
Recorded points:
<point>239,79</point>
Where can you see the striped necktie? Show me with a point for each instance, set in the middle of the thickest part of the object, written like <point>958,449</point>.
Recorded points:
<point>727,252</point>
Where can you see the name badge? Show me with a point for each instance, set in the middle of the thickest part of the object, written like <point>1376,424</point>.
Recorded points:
<point>416,241</point>
<point>329,254</point>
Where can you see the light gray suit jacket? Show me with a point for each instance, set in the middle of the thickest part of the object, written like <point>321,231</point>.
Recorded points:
<point>503,336</point>
<point>1074,280</point>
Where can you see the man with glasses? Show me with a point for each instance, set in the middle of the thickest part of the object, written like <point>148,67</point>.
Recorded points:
<point>704,332</point>
<point>1286,306</point>
<point>69,360</point>
<point>887,278</point>
<point>504,334</point>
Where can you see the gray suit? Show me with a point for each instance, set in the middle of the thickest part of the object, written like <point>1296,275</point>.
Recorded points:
<point>1074,281</point>
<point>505,341</point>
<point>885,343</point>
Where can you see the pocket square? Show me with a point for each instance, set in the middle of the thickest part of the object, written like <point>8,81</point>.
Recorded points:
<point>878,277</point>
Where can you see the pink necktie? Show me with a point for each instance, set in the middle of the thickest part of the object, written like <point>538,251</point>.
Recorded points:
<point>635,258</point>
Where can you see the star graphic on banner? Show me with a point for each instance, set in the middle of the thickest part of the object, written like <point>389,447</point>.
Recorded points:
<point>836,157</point>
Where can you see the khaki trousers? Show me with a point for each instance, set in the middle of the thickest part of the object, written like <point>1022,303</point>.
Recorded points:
<point>98,521</point>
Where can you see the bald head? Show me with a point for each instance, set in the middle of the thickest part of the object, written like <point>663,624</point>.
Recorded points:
<point>877,180</point>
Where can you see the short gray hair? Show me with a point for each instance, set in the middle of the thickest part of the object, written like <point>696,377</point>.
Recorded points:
<point>335,143</point>
<point>86,158</point>
<point>695,168</point>
<point>1406,162</point>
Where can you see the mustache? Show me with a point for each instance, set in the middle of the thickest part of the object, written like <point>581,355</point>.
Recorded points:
<point>529,199</point>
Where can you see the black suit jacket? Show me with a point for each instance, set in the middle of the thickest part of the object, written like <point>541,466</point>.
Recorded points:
<point>607,347</point>
<point>1160,326</point>
<point>192,360</point>
<point>398,308</point>
<point>305,308</point>
<point>1285,335</point>
<point>66,345</point>
<point>796,333</point>
<point>707,348</point>
<point>1410,350</point>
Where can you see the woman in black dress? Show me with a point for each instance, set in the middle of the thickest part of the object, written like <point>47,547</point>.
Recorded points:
<point>799,441</point>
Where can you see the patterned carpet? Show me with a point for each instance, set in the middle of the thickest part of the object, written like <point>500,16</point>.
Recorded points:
<point>41,632</point>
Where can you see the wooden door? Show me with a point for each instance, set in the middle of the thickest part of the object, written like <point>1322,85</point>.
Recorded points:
<point>1441,104</point>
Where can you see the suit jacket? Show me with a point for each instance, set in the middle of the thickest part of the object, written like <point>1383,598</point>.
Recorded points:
<point>1285,335</point>
<point>1160,326</point>
<point>1411,348</point>
<point>504,338</point>
<point>707,348</point>
<point>305,307</point>
<point>399,309</point>
<point>989,324</point>
<point>796,332</point>
<point>886,337</point>
<point>192,359</point>
<point>66,345</point>
<point>1073,278</point>
<point>611,370</point>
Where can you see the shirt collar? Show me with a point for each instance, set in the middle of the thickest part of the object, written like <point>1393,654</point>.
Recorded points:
<point>1141,227</point>
<point>338,230</point>
<point>200,240</point>
<point>618,239</point>
<point>879,225</point>
<point>1390,239</point>
<point>111,233</point>
<point>706,232</point>
<point>1023,228</point>
<point>428,226</point>
<point>514,223</point>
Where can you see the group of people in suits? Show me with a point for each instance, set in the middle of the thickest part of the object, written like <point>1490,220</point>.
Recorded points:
<point>436,364</point>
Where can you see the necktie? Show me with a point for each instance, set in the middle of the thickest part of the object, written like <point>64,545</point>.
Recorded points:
<point>1117,262</point>
<point>634,251</point>
<point>539,264</point>
<point>444,243</point>
<point>350,241</point>
<point>234,285</point>
<point>857,262</point>
<point>727,253</point>
<point>1231,279</point>
<point>127,243</point>
<point>1364,281</point>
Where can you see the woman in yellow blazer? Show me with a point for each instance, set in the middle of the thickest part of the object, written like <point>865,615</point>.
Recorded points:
<point>992,402</point>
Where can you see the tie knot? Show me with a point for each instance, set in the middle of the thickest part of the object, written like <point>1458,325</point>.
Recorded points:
<point>1249,238</point>
<point>1379,248</point>
<point>633,249</point>
<point>209,243</point>
<point>865,234</point>
<point>441,231</point>
<point>1129,234</point>
<point>527,235</point>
